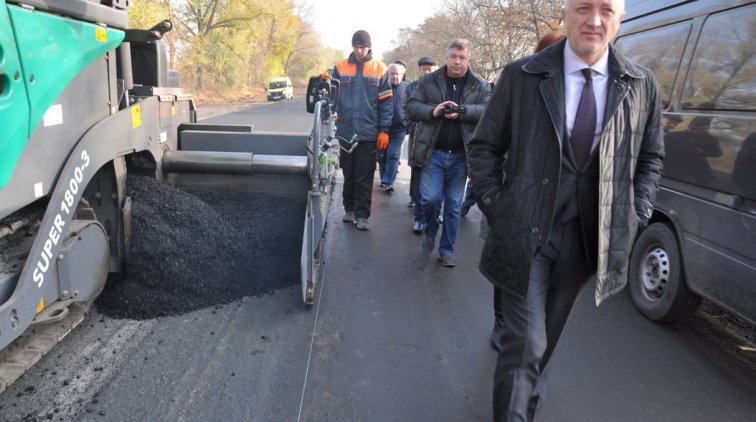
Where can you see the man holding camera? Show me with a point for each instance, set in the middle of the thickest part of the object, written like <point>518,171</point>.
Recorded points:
<point>447,105</point>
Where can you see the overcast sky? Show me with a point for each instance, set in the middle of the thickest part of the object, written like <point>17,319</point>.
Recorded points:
<point>337,20</point>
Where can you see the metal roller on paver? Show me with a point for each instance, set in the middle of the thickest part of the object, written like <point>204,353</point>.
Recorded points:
<point>85,108</point>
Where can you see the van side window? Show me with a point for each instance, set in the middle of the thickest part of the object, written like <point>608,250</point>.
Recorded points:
<point>659,50</point>
<point>722,75</point>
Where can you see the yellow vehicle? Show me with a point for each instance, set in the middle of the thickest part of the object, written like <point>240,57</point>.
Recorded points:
<point>280,89</point>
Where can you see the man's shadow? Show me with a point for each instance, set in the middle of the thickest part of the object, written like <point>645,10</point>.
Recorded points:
<point>686,151</point>
<point>744,170</point>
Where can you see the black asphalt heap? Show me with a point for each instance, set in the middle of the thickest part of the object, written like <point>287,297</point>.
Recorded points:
<point>195,250</point>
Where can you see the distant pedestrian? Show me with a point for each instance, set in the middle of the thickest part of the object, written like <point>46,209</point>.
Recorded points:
<point>398,132</point>
<point>469,200</point>
<point>549,38</point>
<point>365,111</point>
<point>447,105</point>
<point>580,126</point>
<point>426,65</point>
<point>404,65</point>
<point>495,77</point>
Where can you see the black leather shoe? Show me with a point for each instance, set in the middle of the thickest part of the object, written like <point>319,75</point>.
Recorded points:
<point>496,334</point>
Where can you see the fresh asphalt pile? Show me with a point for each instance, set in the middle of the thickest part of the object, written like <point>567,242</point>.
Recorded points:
<point>200,249</point>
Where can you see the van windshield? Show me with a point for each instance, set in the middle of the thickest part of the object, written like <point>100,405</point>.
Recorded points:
<point>276,85</point>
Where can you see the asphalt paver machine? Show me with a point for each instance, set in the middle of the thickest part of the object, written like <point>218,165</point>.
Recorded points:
<point>84,101</point>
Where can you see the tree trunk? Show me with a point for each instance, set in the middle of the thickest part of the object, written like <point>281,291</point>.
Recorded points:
<point>200,79</point>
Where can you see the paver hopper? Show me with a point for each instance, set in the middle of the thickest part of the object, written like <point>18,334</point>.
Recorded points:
<point>85,101</point>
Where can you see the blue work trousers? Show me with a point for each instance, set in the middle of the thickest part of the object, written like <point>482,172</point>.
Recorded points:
<point>393,153</point>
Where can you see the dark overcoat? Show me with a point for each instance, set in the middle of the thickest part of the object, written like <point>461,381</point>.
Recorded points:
<point>525,120</point>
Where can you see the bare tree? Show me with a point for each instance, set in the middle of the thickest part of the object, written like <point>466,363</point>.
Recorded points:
<point>500,30</point>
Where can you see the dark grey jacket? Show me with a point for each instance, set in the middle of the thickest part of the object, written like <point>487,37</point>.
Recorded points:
<point>525,119</point>
<point>430,92</point>
<point>409,123</point>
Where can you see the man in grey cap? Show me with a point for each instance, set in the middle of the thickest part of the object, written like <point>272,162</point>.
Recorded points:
<point>426,65</point>
<point>365,111</point>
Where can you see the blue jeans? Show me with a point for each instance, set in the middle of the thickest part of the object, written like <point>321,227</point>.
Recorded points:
<point>380,159</point>
<point>391,160</point>
<point>443,181</point>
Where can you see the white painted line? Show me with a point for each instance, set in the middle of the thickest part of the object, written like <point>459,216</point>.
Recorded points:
<point>312,341</point>
<point>329,227</point>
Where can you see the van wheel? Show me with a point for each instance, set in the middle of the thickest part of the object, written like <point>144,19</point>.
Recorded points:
<point>657,282</point>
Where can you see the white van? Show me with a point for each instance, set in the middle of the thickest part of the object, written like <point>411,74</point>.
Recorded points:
<point>280,89</point>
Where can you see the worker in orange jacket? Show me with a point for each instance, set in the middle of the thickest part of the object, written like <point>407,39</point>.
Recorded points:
<point>365,112</point>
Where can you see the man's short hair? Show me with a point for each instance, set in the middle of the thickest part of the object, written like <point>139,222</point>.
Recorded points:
<point>620,3</point>
<point>460,44</point>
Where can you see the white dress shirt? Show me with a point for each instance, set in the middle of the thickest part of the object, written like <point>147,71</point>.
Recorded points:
<point>573,88</point>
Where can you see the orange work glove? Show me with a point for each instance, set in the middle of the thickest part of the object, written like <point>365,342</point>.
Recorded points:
<point>383,140</point>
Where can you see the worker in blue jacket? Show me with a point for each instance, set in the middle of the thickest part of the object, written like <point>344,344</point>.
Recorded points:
<point>365,111</point>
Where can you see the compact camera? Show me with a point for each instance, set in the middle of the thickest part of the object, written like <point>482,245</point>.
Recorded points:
<point>451,109</point>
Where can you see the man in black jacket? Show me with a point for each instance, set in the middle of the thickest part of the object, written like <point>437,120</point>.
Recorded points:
<point>427,65</point>
<point>581,126</point>
<point>447,105</point>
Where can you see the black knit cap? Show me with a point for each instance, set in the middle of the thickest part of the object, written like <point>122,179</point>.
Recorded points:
<point>426,60</point>
<point>362,38</point>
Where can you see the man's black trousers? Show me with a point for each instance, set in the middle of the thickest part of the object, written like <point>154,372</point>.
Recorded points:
<point>534,322</point>
<point>358,168</point>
